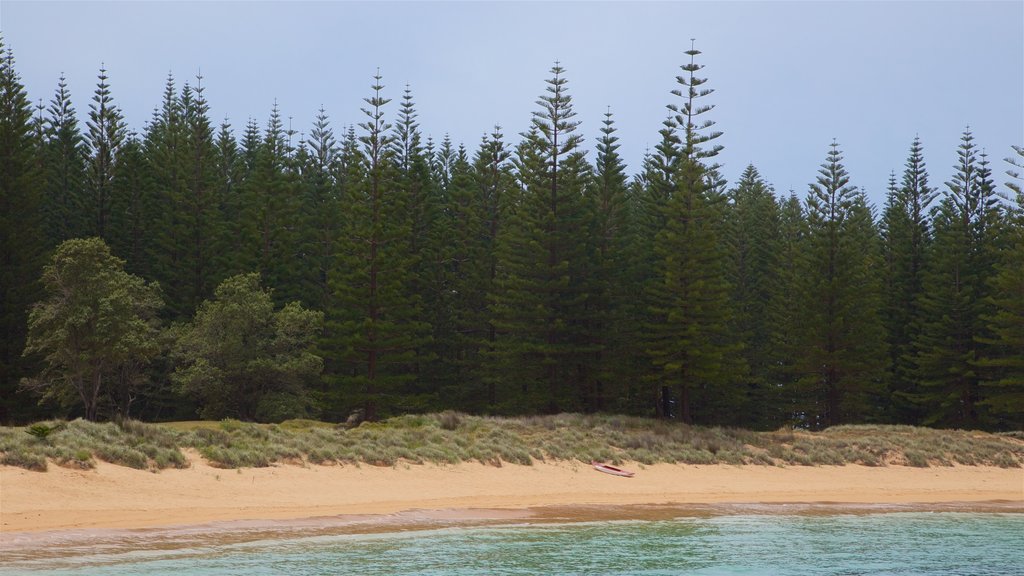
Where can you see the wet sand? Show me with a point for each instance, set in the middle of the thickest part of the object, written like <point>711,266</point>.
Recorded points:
<point>116,497</point>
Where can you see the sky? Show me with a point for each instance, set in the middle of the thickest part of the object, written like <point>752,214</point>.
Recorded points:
<point>788,77</point>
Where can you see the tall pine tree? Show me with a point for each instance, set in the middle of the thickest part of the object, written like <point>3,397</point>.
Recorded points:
<point>753,221</point>
<point>906,234</point>
<point>105,135</point>
<point>65,169</point>
<point>543,348</point>
<point>842,371</point>
<point>689,339</point>
<point>614,336</point>
<point>1002,364</point>
<point>22,243</point>
<point>953,297</point>
<point>375,323</point>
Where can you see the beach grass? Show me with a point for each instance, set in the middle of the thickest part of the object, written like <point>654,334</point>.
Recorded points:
<point>450,438</point>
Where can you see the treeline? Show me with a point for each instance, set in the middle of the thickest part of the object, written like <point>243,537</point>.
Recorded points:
<point>517,276</point>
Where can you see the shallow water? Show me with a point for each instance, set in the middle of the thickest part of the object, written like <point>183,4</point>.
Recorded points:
<point>749,542</point>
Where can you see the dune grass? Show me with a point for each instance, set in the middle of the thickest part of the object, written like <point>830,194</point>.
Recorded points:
<point>451,437</point>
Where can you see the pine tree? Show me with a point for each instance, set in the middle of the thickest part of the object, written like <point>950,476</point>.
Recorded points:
<point>132,208</point>
<point>376,322</point>
<point>688,334</point>
<point>201,206</point>
<point>754,231</point>
<point>905,238</point>
<point>478,207</point>
<point>229,174</point>
<point>785,313</point>
<point>162,215</point>
<point>22,242</point>
<point>65,169</point>
<point>539,304</point>
<point>953,299</point>
<point>269,211</point>
<point>105,135</point>
<point>841,365</point>
<point>614,335</point>
<point>424,201</point>
<point>320,213</point>
<point>1002,366</point>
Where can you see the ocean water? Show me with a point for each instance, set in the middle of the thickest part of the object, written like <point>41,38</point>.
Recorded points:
<point>900,543</point>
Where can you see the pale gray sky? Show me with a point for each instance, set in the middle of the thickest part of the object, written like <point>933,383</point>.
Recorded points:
<point>788,76</point>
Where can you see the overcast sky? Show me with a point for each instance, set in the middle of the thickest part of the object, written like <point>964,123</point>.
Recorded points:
<point>788,76</point>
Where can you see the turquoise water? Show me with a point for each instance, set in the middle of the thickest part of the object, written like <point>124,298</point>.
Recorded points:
<point>937,543</point>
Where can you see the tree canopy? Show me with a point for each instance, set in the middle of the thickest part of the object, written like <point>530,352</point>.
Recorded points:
<point>372,267</point>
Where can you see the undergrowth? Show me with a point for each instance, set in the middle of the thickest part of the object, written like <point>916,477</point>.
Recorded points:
<point>450,437</point>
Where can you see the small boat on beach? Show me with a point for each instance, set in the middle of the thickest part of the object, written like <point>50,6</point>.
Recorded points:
<point>609,469</point>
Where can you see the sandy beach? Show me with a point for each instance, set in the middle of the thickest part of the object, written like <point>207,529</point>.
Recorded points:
<point>111,496</point>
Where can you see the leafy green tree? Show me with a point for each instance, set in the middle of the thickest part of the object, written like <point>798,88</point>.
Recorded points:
<point>95,327</point>
<point>754,233</point>
<point>240,358</point>
<point>376,322</point>
<point>22,242</point>
<point>688,333</point>
<point>843,336</point>
<point>65,169</point>
<point>906,234</point>
<point>106,134</point>
<point>539,302</point>
<point>954,295</point>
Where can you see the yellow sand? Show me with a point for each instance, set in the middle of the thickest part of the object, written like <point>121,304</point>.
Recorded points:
<point>117,497</point>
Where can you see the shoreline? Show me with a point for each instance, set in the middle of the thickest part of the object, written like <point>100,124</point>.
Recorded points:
<point>112,497</point>
<point>55,545</point>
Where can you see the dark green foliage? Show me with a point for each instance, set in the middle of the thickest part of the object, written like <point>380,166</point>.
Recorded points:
<point>477,199</point>
<point>375,324</point>
<point>22,238</point>
<point>539,306</point>
<point>756,274</point>
<point>514,278</point>
<point>188,226</point>
<point>243,359</point>
<point>954,297</point>
<point>1002,362</point>
<point>688,332</point>
<point>65,157</point>
<point>429,246</point>
<point>785,311</point>
<point>321,213</point>
<point>268,207</point>
<point>132,209</point>
<point>105,135</point>
<point>905,238</point>
<point>841,334</point>
<point>614,339</point>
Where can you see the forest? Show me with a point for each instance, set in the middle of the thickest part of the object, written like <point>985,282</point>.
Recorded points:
<point>188,272</point>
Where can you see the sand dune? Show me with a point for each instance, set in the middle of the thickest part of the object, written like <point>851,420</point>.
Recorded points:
<point>117,497</point>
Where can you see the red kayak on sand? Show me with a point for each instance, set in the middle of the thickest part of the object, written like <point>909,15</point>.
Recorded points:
<point>608,469</point>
